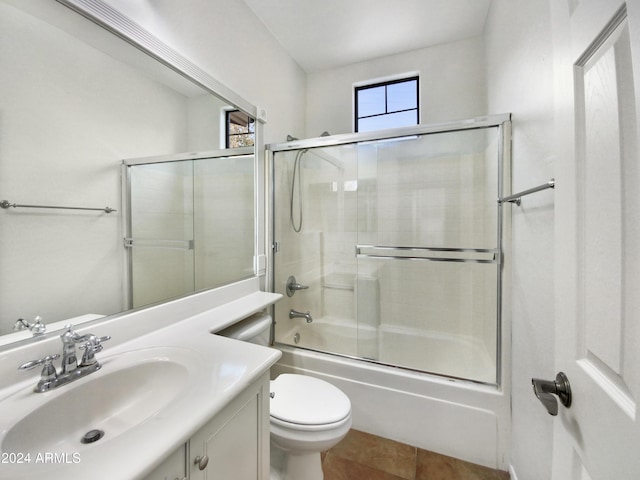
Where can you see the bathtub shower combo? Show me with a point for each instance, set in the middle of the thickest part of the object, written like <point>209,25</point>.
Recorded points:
<point>388,250</point>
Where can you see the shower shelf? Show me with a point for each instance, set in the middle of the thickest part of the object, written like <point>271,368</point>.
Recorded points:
<point>339,281</point>
<point>336,286</point>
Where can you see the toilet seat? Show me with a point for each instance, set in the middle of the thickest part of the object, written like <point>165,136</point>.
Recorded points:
<point>307,403</point>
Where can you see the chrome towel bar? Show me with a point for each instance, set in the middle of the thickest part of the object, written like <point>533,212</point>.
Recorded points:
<point>516,197</point>
<point>158,243</point>
<point>434,254</point>
<point>6,204</point>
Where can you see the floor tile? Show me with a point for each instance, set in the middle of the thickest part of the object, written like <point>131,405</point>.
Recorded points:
<point>433,466</point>
<point>378,453</point>
<point>338,468</point>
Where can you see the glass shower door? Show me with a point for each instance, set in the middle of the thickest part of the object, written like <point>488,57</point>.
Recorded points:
<point>398,242</point>
<point>161,231</point>
<point>427,253</point>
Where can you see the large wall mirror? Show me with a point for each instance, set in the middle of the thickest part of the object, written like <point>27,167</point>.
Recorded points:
<point>75,101</point>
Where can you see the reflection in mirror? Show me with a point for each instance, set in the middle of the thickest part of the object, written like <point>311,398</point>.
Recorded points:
<point>190,223</point>
<point>71,110</point>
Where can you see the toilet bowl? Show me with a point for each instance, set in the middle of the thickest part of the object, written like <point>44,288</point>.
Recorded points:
<point>307,415</point>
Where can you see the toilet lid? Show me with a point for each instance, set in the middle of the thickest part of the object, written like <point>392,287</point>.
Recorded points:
<point>305,400</point>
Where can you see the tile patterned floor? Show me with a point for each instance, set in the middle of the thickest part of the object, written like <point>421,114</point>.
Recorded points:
<point>362,456</point>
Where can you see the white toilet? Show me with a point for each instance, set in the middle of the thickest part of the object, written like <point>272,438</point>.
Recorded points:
<point>308,415</point>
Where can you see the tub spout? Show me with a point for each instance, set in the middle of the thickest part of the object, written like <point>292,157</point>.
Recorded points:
<point>296,314</point>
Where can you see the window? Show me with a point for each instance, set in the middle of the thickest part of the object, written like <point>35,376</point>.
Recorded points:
<point>240,130</point>
<point>387,105</point>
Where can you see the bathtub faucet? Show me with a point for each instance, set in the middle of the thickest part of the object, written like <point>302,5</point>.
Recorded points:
<point>296,314</point>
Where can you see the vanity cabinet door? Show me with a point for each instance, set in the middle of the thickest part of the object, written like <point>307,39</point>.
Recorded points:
<point>235,444</point>
<point>174,467</point>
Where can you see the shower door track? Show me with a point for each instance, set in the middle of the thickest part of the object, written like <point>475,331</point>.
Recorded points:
<point>400,132</point>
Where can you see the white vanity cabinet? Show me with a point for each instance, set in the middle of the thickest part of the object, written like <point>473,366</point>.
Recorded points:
<point>233,445</point>
<point>174,467</point>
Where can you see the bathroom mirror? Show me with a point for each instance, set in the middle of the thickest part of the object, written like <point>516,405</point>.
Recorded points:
<point>76,100</point>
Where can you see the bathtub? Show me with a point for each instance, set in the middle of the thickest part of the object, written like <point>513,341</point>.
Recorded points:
<point>434,352</point>
<point>463,419</point>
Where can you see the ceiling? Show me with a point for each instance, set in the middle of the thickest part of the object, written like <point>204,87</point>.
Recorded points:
<point>325,34</point>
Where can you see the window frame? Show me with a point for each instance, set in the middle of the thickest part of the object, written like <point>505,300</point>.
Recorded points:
<point>385,83</point>
<point>227,130</point>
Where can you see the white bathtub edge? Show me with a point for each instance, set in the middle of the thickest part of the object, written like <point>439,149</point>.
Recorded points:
<point>454,418</point>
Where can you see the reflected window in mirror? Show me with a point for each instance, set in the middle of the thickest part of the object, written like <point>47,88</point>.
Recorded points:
<point>240,129</point>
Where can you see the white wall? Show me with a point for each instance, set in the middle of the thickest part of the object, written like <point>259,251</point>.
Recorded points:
<point>83,253</point>
<point>520,80</point>
<point>69,115</point>
<point>227,41</point>
<point>452,85</point>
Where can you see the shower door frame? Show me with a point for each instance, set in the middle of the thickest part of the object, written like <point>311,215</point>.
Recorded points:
<point>500,121</point>
<point>127,220</point>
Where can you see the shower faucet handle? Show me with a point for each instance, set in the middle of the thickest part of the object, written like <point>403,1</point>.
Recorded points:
<point>293,286</point>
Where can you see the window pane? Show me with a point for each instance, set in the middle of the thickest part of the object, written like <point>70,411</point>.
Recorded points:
<point>392,120</point>
<point>240,129</point>
<point>370,101</point>
<point>402,96</point>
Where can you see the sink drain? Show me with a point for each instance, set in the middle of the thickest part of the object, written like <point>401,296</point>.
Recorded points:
<point>92,436</point>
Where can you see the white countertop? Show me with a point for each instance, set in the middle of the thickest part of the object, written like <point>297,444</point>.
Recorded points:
<point>221,369</point>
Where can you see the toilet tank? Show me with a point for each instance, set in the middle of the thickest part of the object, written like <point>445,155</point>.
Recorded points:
<point>253,329</point>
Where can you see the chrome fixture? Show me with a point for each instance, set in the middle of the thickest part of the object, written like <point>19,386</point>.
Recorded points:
<point>434,254</point>
<point>296,314</point>
<point>71,370</point>
<point>293,286</point>
<point>6,204</point>
<point>297,226</point>
<point>516,197</point>
<point>547,390</point>
<point>36,328</point>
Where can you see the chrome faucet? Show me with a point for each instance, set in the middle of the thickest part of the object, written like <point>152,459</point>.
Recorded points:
<point>70,370</point>
<point>296,314</point>
<point>37,327</point>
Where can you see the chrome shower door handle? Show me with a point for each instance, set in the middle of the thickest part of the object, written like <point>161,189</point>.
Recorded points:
<point>548,392</point>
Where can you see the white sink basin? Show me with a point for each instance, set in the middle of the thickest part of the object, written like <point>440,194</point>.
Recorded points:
<point>129,389</point>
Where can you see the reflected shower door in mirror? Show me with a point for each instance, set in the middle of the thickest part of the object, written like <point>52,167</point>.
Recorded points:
<point>190,223</point>
<point>77,99</point>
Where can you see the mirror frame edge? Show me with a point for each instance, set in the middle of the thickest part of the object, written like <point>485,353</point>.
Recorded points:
<point>122,26</point>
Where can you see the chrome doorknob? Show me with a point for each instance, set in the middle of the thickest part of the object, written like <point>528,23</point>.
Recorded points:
<point>548,392</point>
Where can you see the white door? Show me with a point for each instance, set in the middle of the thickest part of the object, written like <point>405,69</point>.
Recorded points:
<point>597,334</point>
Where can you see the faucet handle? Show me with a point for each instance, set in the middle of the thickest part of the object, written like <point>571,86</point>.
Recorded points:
<point>46,361</point>
<point>36,328</point>
<point>92,346</point>
<point>48,376</point>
